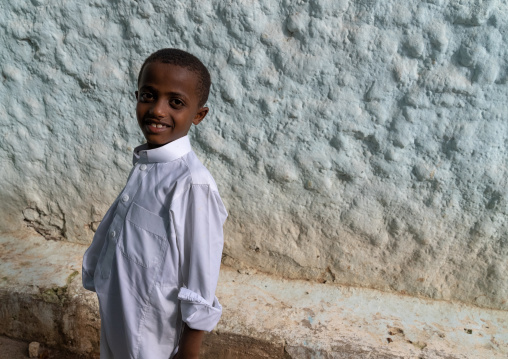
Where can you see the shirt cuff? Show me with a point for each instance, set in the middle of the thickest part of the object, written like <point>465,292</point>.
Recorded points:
<point>197,312</point>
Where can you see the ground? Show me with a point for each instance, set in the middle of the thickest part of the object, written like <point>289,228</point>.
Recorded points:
<point>17,349</point>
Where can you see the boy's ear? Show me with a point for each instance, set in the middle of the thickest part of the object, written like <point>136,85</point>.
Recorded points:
<point>200,115</point>
<point>136,93</point>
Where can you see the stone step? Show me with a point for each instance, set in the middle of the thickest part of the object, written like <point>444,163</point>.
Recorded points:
<point>41,299</point>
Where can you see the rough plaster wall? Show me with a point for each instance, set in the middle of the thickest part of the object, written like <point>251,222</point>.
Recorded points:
<point>358,142</point>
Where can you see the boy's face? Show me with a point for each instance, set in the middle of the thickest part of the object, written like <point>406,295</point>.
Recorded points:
<point>167,103</point>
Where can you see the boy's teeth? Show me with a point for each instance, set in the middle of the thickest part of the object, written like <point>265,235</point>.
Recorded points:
<point>153,125</point>
<point>159,126</point>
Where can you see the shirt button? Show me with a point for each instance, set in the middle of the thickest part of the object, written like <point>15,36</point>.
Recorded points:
<point>112,234</point>
<point>142,167</point>
<point>125,198</point>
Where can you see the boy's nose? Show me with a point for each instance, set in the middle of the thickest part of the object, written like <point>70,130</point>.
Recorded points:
<point>160,109</point>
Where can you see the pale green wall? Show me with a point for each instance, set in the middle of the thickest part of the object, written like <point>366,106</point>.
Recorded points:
<point>357,142</point>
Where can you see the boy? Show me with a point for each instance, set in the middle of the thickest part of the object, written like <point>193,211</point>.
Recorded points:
<point>154,260</point>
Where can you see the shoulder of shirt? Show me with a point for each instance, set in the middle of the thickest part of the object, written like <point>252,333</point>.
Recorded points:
<point>198,172</point>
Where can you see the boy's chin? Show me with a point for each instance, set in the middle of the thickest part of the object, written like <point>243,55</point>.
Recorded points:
<point>152,144</point>
<point>160,142</point>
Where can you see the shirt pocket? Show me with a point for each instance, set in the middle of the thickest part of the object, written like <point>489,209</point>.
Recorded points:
<point>144,238</point>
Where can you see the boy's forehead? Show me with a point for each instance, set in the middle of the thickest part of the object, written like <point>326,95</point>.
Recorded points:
<point>164,72</point>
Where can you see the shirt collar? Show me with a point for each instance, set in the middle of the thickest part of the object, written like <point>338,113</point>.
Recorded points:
<point>167,153</point>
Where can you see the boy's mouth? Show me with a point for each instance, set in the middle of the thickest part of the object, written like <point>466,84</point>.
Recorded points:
<point>153,126</point>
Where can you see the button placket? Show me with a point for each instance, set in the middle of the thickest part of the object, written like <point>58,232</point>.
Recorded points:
<point>132,186</point>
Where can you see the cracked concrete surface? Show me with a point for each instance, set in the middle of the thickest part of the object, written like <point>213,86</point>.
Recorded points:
<point>264,316</point>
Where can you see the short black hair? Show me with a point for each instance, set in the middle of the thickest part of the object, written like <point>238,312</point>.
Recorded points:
<point>188,61</point>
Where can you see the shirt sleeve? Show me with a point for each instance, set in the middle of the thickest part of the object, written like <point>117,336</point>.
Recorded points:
<point>199,217</point>
<point>93,252</point>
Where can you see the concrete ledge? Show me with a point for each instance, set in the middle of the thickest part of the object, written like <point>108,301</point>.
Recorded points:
<point>41,299</point>
<point>323,321</point>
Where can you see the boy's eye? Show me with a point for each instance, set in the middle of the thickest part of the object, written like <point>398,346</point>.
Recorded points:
<point>146,96</point>
<point>176,102</point>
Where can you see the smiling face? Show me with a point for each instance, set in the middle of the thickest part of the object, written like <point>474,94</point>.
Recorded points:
<point>167,103</point>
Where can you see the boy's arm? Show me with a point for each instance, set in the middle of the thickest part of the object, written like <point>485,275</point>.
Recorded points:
<point>199,216</point>
<point>190,343</point>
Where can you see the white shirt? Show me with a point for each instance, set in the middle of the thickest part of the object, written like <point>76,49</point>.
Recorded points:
<point>155,257</point>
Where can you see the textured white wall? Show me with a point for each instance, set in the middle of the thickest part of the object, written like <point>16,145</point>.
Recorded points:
<point>359,142</point>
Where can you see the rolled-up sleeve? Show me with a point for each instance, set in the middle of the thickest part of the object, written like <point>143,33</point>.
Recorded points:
<point>199,217</point>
